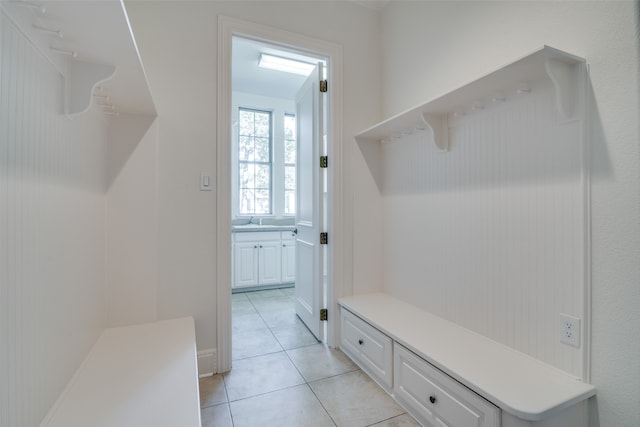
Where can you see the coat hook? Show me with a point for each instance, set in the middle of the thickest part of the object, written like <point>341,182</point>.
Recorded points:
<point>71,53</point>
<point>57,33</point>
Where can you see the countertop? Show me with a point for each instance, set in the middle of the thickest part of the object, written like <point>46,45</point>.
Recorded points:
<point>260,228</point>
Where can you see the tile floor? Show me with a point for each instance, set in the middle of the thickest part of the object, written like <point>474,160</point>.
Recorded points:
<point>283,377</point>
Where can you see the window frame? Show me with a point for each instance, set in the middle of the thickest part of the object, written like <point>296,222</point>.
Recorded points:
<point>269,163</point>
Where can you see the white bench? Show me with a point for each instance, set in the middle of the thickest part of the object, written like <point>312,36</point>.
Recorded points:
<point>429,364</point>
<point>137,376</point>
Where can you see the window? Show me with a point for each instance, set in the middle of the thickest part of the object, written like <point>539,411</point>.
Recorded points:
<point>254,161</point>
<point>289,164</point>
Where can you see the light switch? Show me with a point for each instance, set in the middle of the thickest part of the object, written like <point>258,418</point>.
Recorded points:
<point>206,183</point>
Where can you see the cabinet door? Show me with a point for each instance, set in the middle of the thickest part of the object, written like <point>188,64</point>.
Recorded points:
<point>246,264</point>
<point>269,263</point>
<point>288,261</point>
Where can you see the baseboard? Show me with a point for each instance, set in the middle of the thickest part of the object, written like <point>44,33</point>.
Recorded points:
<point>207,362</point>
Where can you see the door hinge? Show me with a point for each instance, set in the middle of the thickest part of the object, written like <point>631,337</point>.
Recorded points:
<point>324,161</point>
<point>324,238</point>
<point>324,86</point>
<point>324,314</point>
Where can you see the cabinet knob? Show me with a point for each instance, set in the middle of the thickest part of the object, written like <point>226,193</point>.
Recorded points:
<point>284,246</point>
<point>360,342</point>
<point>432,399</point>
<point>256,246</point>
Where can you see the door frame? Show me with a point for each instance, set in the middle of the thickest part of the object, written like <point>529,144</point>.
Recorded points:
<point>227,29</point>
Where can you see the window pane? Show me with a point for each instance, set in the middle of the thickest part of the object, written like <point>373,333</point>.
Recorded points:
<point>262,202</point>
<point>262,150</point>
<point>290,126</point>
<point>290,151</point>
<point>289,202</point>
<point>246,201</point>
<point>263,177</point>
<point>262,124</point>
<point>289,177</point>
<point>247,172</point>
<point>246,122</point>
<point>245,148</point>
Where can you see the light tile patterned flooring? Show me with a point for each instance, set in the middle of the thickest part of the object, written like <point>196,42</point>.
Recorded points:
<point>283,377</point>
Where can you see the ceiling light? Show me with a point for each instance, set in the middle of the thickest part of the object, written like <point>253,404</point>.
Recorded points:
<point>284,64</point>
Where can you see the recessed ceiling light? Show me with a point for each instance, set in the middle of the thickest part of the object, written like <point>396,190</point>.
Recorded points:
<point>285,64</point>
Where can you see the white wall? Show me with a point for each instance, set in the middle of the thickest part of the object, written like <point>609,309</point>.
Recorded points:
<point>431,47</point>
<point>52,232</point>
<point>132,221</point>
<point>178,44</point>
<point>490,234</point>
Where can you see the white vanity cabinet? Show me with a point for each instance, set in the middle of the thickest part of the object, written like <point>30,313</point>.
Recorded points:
<point>256,258</point>
<point>263,258</point>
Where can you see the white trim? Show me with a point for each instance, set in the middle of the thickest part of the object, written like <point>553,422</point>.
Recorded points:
<point>206,362</point>
<point>227,28</point>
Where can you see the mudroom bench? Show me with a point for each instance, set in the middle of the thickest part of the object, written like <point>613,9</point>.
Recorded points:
<point>134,376</point>
<point>444,374</point>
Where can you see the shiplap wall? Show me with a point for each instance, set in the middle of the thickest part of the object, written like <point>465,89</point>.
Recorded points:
<point>52,232</point>
<point>491,234</point>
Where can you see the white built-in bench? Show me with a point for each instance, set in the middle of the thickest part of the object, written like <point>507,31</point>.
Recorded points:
<point>444,374</point>
<point>135,376</point>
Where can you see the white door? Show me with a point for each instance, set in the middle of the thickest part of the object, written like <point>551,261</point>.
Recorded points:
<point>309,209</point>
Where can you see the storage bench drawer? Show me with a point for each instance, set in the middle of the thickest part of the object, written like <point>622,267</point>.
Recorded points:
<point>368,347</point>
<point>435,398</point>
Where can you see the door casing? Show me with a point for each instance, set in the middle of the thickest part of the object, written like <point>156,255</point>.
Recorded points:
<point>227,29</point>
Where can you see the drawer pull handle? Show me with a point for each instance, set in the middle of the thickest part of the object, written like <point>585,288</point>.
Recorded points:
<point>432,399</point>
<point>360,342</point>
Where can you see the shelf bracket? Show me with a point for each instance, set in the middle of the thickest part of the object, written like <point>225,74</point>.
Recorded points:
<point>565,80</point>
<point>82,79</point>
<point>439,127</point>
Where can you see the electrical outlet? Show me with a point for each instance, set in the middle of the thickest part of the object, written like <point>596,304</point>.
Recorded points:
<point>570,330</point>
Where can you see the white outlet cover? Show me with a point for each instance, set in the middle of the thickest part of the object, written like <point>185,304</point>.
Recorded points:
<point>570,330</point>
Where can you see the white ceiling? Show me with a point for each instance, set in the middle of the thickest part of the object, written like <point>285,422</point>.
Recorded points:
<point>249,78</point>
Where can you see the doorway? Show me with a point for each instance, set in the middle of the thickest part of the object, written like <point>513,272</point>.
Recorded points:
<point>297,47</point>
<point>277,184</point>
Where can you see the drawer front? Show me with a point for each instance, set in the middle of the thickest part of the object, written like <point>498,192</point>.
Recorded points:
<point>369,347</point>
<point>436,399</point>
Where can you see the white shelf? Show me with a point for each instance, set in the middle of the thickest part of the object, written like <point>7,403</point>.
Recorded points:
<point>519,384</point>
<point>99,34</point>
<point>514,79</point>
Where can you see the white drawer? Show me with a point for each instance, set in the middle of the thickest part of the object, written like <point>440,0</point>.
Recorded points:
<point>368,347</point>
<point>436,399</point>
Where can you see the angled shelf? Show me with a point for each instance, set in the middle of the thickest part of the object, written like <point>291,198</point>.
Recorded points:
<point>564,70</point>
<point>91,44</point>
